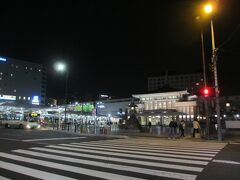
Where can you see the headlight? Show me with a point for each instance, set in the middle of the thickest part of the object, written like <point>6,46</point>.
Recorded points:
<point>28,126</point>
<point>38,126</point>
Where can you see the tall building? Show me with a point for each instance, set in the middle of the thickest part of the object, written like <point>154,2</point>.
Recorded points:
<point>22,81</point>
<point>179,82</point>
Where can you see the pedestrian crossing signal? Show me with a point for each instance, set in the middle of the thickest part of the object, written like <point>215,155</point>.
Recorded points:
<point>206,91</point>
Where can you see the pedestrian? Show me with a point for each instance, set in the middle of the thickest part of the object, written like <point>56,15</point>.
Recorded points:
<point>172,129</point>
<point>150,126</point>
<point>182,128</point>
<point>196,127</point>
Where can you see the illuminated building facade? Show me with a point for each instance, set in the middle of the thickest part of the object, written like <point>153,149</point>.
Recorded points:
<point>22,81</point>
<point>160,108</point>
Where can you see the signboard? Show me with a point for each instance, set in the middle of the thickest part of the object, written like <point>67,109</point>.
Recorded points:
<point>8,97</point>
<point>3,59</point>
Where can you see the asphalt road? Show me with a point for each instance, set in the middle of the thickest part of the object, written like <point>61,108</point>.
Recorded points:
<point>44,154</point>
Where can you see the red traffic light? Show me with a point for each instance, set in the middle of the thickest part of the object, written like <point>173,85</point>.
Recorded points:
<point>206,91</point>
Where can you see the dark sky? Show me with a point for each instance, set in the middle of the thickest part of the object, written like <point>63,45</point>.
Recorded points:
<point>113,46</point>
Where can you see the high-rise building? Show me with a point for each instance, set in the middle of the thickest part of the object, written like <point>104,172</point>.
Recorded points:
<point>22,81</point>
<point>178,82</point>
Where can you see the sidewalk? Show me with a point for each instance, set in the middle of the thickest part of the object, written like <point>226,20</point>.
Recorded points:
<point>117,134</point>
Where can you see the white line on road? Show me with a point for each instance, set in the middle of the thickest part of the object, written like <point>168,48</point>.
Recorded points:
<point>227,162</point>
<point>143,148</point>
<point>176,160</point>
<point>74,169</point>
<point>158,150</point>
<point>111,166</point>
<point>32,172</point>
<point>3,178</point>
<point>138,162</point>
<point>178,144</point>
<point>51,139</point>
<point>156,154</point>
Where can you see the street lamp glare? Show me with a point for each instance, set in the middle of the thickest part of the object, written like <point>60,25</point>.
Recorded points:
<point>208,8</point>
<point>60,67</point>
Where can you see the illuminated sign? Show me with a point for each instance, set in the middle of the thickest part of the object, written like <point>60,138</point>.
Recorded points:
<point>35,100</point>
<point>3,59</point>
<point>101,106</point>
<point>8,97</point>
<point>86,107</point>
<point>34,114</point>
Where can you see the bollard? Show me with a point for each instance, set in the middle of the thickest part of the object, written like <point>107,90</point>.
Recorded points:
<point>75,130</point>
<point>68,126</point>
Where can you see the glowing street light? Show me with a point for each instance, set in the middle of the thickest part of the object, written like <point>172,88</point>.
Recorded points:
<point>208,8</point>
<point>62,67</point>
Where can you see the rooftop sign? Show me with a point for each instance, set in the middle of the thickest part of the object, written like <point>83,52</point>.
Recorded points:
<point>3,59</point>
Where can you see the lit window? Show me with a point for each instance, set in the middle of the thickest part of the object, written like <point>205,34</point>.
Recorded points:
<point>1,73</point>
<point>31,68</point>
<point>39,70</point>
<point>19,97</point>
<point>24,98</point>
<point>26,67</point>
<point>14,90</point>
<point>16,66</point>
<point>28,98</point>
<point>11,75</point>
<point>0,78</point>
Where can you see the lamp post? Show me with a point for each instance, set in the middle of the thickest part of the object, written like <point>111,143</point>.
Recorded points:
<point>208,9</point>
<point>205,99</point>
<point>61,67</point>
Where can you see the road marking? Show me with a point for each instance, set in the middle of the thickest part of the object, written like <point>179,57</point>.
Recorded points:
<point>133,156</point>
<point>111,166</point>
<point>192,150</point>
<point>139,162</point>
<point>200,148</point>
<point>32,172</point>
<point>3,178</point>
<point>227,162</point>
<point>79,170</point>
<point>51,139</point>
<point>158,150</point>
<point>141,152</point>
<point>175,144</point>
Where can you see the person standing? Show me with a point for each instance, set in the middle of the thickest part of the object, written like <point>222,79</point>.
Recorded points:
<point>196,127</point>
<point>182,128</point>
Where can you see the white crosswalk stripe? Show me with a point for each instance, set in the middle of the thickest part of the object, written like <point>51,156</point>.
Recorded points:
<point>113,159</point>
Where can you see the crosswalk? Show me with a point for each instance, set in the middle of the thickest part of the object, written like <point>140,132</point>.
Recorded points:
<point>130,158</point>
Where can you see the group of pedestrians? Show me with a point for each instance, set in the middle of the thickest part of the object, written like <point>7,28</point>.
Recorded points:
<point>173,125</point>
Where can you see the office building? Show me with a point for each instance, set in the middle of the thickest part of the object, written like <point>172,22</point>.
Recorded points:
<point>22,82</point>
<point>178,82</point>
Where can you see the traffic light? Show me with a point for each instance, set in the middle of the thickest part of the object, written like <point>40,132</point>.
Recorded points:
<point>206,91</point>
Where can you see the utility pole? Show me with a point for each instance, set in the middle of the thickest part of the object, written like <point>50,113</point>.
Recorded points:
<point>214,61</point>
<point>205,85</point>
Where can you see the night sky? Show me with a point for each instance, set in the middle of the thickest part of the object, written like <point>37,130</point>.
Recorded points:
<point>111,47</point>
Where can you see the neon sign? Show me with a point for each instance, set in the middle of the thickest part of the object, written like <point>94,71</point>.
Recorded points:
<point>35,100</point>
<point>3,59</point>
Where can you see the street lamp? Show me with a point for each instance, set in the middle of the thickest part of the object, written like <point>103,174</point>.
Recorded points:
<point>205,99</point>
<point>208,9</point>
<point>62,67</point>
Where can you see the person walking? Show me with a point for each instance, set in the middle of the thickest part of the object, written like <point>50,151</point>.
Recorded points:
<point>196,127</point>
<point>172,130</point>
<point>182,128</point>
